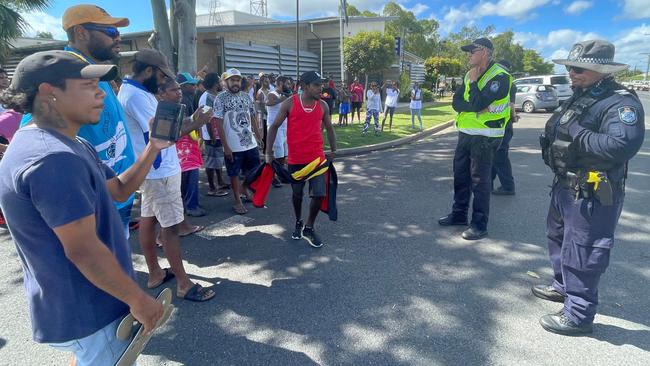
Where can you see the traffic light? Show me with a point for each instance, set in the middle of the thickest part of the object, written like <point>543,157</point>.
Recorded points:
<point>398,45</point>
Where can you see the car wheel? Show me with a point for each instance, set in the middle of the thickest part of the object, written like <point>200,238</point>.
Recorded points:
<point>528,107</point>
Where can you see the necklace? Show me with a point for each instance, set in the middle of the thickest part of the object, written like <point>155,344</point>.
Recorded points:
<point>307,109</point>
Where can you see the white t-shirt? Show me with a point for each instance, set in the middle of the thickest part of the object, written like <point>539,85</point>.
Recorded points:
<point>391,97</point>
<point>139,107</point>
<point>236,111</point>
<point>373,101</point>
<point>416,104</point>
<point>272,111</point>
<point>203,100</point>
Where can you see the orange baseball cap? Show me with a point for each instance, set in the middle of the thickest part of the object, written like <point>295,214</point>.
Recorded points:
<point>86,13</point>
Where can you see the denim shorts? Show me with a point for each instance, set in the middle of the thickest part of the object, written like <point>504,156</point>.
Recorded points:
<point>101,348</point>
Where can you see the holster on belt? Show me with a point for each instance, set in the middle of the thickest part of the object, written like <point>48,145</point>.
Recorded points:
<point>587,185</point>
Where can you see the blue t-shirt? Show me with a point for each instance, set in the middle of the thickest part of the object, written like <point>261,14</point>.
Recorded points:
<point>46,181</point>
<point>109,137</point>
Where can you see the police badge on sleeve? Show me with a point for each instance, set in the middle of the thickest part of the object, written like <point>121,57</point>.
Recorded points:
<point>494,86</point>
<point>627,115</point>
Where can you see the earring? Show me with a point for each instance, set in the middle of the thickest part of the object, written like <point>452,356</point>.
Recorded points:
<point>54,99</point>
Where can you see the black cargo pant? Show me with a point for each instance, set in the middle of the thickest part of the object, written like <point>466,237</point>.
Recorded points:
<point>473,175</point>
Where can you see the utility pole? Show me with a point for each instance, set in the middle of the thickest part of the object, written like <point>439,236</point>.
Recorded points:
<point>647,69</point>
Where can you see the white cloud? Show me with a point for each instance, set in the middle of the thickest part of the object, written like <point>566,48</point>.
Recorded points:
<point>636,9</point>
<point>41,22</point>
<point>578,7</point>
<point>554,39</point>
<point>417,9</point>
<point>516,9</point>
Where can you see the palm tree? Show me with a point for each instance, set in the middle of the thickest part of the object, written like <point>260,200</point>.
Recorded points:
<point>13,24</point>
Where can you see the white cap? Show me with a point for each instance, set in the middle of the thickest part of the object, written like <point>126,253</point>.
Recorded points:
<point>232,72</point>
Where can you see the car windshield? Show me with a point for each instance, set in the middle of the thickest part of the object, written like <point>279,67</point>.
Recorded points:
<point>555,80</point>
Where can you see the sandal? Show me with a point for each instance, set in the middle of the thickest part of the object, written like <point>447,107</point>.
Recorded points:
<point>195,229</point>
<point>168,276</point>
<point>240,210</point>
<point>197,293</point>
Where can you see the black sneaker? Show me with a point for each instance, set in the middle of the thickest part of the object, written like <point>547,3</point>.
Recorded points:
<point>310,235</point>
<point>297,233</point>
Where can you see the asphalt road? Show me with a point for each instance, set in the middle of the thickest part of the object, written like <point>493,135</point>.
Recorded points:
<point>390,287</point>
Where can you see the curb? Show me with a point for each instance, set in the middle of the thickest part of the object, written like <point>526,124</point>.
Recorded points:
<point>394,143</point>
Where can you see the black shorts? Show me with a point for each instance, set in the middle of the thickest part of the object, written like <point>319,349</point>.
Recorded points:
<point>242,162</point>
<point>356,105</point>
<point>316,184</point>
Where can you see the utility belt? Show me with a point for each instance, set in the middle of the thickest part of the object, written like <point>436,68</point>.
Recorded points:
<point>590,184</point>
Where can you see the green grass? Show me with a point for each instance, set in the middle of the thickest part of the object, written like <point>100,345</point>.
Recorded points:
<point>351,136</point>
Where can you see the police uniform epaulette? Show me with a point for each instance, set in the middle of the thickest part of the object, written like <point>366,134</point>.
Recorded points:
<point>622,92</point>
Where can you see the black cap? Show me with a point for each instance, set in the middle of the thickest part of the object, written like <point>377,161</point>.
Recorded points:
<point>312,77</point>
<point>154,58</point>
<point>478,43</point>
<point>54,66</point>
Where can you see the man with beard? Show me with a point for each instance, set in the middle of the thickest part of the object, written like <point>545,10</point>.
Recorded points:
<point>161,191</point>
<point>306,115</point>
<point>236,122</point>
<point>212,146</point>
<point>93,35</point>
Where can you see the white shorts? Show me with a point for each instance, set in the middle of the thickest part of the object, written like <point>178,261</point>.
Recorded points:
<point>161,198</point>
<point>280,144</point>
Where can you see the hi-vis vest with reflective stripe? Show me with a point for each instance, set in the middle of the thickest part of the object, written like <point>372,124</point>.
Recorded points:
<point>498,112</point>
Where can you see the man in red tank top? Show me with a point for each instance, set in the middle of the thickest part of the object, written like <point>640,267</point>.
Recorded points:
<point>306,115</point>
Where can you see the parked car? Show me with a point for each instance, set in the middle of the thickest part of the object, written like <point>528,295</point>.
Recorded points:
<point>561,83</point>
<point>534,97</point>
<point>639,85</point>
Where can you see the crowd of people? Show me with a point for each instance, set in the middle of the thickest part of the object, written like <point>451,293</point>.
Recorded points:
<point>76,146</point>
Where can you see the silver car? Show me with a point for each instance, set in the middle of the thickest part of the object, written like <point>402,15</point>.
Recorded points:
<point>534,97</point>
<point>561,83</point>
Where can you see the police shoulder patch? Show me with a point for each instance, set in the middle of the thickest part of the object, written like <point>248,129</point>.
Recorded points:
<point>494,86</point>
<point>627,115</point>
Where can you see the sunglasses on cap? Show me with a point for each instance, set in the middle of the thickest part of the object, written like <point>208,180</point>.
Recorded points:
<point>107,30</point>
<point>576,70</point>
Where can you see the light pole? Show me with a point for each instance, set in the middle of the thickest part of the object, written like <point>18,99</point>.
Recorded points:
<point>647,69</point>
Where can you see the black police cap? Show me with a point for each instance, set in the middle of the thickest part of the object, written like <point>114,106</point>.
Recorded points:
<point>480,42</point>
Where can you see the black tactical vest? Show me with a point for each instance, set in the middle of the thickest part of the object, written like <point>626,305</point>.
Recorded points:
<point>560,154</point>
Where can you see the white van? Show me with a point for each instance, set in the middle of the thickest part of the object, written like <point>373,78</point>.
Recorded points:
<point>561,83</point>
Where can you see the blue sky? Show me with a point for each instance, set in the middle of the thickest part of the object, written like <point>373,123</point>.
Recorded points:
<point>550,26</point>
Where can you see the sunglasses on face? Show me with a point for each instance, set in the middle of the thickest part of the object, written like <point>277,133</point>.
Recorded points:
<point>477,49</point>
<point>576,70</point>
<point>109,31</point>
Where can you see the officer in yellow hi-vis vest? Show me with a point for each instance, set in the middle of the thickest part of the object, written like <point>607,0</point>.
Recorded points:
<point>483,106</point>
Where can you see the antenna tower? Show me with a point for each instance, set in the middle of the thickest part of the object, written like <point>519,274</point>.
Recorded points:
<point>259,8</point>
<point>215,13</point>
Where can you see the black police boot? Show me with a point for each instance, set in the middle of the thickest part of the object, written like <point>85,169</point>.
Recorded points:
<point>452,219</point>
<point>547,292</point>
<point>559,323</point>
<point>474,233</point>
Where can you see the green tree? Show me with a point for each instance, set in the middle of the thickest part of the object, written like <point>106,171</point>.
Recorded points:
<point>506,49</point>
<point>420,36</point>
<point>44,35</point>
<point>436,66</point>
<point>12,24</point>
<point>534,63</point>
<point>368,52</point>
<point>352,11</point>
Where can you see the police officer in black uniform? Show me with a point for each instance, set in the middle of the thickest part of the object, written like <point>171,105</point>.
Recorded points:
<point>587,143</point>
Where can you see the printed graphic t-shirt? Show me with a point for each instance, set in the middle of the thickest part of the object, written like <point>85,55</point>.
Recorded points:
<point>236,111</point>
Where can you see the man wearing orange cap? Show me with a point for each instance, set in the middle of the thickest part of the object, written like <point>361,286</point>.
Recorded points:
<point>93,35</point>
